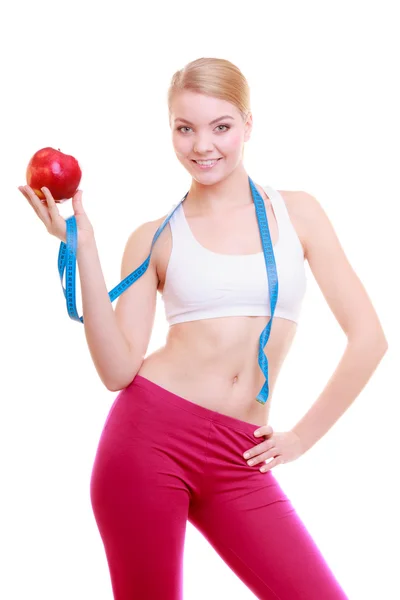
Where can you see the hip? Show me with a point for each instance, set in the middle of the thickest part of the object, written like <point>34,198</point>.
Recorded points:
<point>153,438</point>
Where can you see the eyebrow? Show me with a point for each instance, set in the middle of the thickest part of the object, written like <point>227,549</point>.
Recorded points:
<point>211,123</point>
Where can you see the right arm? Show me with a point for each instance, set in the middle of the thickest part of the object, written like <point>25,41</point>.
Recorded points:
<point>118,339</point>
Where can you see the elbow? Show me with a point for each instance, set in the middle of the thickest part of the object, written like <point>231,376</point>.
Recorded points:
<point>112,387</point>
<point>117,386</point>
<point>117,381</point>
<point>375,342</point>
<point>384,347</point>
<point>381,344</point>
<point>381,349</point>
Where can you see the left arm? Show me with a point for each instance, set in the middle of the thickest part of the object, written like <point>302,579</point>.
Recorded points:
<point>349,302</point>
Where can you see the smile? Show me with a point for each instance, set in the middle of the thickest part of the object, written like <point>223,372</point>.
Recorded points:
<point>206,164</point>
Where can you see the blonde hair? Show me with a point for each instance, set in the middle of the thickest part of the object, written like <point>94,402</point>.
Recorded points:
<point>215,77</point>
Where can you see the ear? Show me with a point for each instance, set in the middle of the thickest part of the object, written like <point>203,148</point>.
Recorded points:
<point>248,127</point>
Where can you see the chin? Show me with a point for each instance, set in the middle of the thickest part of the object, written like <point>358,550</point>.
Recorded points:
<point>209,179</point>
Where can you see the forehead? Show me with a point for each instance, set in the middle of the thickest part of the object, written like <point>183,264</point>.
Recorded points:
<point>199,108</point>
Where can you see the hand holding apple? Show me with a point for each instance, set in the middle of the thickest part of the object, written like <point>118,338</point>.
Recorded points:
<point>53,176</point>
<point>48,213</point>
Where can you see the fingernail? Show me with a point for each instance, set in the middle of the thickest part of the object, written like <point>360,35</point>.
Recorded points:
<point>246,455</point>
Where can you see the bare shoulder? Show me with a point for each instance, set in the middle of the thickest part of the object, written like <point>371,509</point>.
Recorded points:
<point>311,222</point>
<point>145,232</point>
<point>148,228</point>
<point>294,201</point>
<point>143,236</point>
<point>310,218</point>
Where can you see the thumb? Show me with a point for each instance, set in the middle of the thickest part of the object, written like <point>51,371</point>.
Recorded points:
<point>77,203</point>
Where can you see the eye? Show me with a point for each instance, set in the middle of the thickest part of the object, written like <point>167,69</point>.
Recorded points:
<point>184,128</point>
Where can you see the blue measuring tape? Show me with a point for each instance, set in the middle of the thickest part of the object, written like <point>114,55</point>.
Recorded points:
<point>67,264</point>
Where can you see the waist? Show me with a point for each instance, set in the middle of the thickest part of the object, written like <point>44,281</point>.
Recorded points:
<point>215,363</point>
<point>209,387</point>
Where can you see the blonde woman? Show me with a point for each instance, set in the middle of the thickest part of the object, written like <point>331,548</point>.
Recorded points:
<point>187,437</point>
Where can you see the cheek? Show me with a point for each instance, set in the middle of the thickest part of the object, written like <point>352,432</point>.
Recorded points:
<point>232,144</point>
<point>181,145</point>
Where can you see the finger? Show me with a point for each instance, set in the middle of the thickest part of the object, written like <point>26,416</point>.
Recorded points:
<point>263,447</point>
<point>26,191</point>
<point>30,194</point>
<point>263,430</point>
<point>25,194</point>
<point>35,194</point>
<point>77,203</point>
<point>273,463</point>
<point>51,203</point>
<point>38,206</point>
<point>262,456</point>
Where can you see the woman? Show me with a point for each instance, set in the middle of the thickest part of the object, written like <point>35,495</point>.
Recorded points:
<point>189,418</point>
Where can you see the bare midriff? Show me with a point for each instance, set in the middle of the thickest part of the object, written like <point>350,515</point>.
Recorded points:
<point>214,363</point>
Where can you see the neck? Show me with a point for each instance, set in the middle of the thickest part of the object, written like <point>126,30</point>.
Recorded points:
<point>232,192</point>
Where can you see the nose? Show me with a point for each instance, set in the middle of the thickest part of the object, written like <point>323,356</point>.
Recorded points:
<point>203,144</point>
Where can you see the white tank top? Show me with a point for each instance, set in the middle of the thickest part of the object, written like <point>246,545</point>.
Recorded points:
<point>201,284</point>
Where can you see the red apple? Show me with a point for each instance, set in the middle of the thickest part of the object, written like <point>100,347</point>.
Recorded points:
<point>55,170</point>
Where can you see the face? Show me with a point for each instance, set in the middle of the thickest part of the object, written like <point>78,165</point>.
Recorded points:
<point>207,129</point>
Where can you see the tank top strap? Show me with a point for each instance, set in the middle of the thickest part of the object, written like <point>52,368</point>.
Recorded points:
<point>180,229</point>
<point>286,227</point>
<point>278,204</point>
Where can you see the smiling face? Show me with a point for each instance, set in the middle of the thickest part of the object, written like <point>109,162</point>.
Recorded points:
<point>208,129</point>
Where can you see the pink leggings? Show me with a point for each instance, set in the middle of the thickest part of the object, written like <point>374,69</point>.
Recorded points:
<point>163,460</point>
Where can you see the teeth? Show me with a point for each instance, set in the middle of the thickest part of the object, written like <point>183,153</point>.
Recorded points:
<point>206,162</point>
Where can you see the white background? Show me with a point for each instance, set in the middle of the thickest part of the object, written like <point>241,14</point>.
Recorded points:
<point>91,79</point>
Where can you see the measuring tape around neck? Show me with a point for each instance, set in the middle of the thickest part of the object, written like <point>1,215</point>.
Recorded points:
<point>67,264</point>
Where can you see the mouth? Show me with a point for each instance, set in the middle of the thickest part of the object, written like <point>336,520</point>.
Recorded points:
<point>206,164</point>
